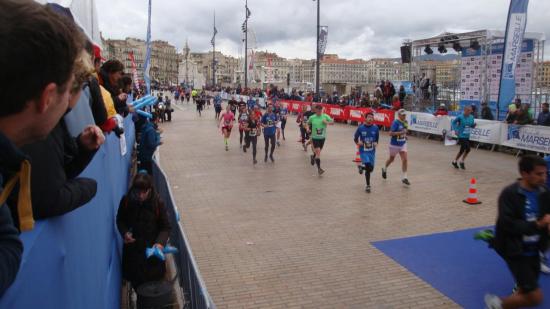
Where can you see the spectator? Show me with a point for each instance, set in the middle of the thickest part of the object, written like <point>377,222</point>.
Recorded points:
<point>143,223</point>
<point>35,95</point>
<point>167,109</point>
<point>396,104</point>
<point>523,117</point>
<point>474,111</point>
<point>486,112</point>
<point>441,110</point>
<point>402,94</point>
<point>389,92</point>
<point>150,140</point>
<point>417,96</point>
<point>97,105</point>
<point>59,159</point>
<point>512,114</point>
<point>110,74</point>
<point>544,116</point>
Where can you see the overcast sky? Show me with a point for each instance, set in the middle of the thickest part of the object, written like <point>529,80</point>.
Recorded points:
<point>357,28</point>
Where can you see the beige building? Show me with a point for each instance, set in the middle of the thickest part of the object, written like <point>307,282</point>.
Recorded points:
<point>545,75</point>
<point>164,60</point>
<point>226,67</point>
<point>341,71</point>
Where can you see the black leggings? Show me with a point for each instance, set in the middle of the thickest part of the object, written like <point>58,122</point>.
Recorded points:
<point>464,146</point>
<point>267,139</point>
<point>304,134</point>
<point>368,169</point>
<point>283,125</point>
<point>251,140</point>
<point>241,135</point>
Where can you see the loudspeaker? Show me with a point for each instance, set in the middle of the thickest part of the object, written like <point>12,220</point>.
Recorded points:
<point>406,54</point>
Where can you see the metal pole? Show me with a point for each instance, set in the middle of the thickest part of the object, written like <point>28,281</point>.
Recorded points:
<point>246,45</point>
<point>317,80</point>
<point>214,54</point>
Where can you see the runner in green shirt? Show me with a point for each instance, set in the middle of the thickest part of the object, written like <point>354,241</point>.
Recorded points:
<point>318,124</point>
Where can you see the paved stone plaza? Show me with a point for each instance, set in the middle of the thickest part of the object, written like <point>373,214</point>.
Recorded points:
<point>279,236</point>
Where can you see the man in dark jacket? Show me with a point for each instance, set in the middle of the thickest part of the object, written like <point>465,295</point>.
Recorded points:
<point>544,116</point>
<point>522,232</point>
<point>486,112</point>
<point>34,95</point>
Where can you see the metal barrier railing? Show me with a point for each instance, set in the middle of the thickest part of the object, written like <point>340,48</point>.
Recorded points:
<point>195,293</point>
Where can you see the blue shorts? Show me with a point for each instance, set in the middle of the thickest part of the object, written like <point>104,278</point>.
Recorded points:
<point>368,157</point>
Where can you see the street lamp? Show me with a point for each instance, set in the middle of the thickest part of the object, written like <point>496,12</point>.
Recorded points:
<point>317,81</point>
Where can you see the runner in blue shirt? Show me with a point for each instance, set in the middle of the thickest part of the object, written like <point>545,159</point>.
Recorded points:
<point>269,123</point>
<point>218,105</point>
<point>250,103</point>
<point>398,145</point>
<point>366,137</point>
<point>463,125</point>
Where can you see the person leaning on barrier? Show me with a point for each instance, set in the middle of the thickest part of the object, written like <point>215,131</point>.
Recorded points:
<point>544,116</point>
<point>486,112</point>
<point>60,158</point>
<point>109,77</point>
<point>35,90</point>
<point>143,223</point>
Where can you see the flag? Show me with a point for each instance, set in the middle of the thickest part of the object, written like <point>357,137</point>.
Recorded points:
<point>214,36</point>
<point>513,41</point>
<point>323,34</point>
<point>248,12</point>
<point>134,70</point>
<point>147,66</point>
<point>243,27</point>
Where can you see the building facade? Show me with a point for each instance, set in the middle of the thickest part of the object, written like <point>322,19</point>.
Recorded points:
<point>164,59</point>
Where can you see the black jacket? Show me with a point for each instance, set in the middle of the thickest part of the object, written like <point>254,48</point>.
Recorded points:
<point>486,113</point>
<point>56,162</point>
<point>120,106</point>
<point>11,248</point>
<point>511,224</point>
<point>148,223</point>
<point>96,102</point>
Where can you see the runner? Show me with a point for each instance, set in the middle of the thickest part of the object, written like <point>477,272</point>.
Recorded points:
<point>200,104</point>
<point>463,125</point>
<point>243,120</point>
<point>233,105</point>
<point>253,130</point>
<point>226,123</point>
<point>398,145</point>
<point>269,121</point>
<point>283,116</point>
<point>257,112</point>
<point>318,123</point>
<point>366,137</point>
<point>303,124</point>
<point>522,232</point>
<point>250,103</point>
<point>277,111</point>
<point>218,105</point>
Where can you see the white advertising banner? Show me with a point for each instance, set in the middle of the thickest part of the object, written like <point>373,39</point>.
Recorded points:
<point>486,131</point>
<point>428,123</point>
<point>534,138</point>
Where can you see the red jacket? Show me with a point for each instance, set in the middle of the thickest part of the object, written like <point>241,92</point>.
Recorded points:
<point>441,112</point>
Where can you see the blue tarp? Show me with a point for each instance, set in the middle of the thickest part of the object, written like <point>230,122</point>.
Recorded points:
<point>73,261</point>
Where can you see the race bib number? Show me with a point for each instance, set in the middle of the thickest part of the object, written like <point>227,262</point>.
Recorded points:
<point>252,133</point>
<point>467,130</point>
<point>319,131</point>
<point>401,138</point>
<point>368,145</point>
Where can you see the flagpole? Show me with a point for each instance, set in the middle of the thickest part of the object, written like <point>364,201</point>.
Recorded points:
<point>246,45</point>
<point>214,53</point>
<point>317,81</point>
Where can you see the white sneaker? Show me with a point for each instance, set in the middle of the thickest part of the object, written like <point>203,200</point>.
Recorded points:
<point>544,268</point>
<point>493,302</point>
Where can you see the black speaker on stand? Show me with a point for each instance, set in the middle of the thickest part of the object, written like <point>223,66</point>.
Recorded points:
<point>406,54</point>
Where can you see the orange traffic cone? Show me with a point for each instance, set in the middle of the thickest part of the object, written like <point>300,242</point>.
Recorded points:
<point>472,194</point>
<point>357,156</point>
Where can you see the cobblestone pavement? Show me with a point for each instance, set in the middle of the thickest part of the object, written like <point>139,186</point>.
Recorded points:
<point>279,236</point>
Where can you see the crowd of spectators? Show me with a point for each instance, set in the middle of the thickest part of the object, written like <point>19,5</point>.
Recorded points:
<point>60,100</point>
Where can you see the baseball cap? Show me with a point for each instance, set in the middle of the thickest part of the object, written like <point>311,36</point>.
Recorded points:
<point>401,112</point>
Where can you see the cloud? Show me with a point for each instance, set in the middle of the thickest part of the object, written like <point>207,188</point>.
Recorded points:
<point>357,29</point>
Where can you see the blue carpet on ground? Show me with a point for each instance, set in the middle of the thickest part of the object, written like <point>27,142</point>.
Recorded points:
<point>460,267</point>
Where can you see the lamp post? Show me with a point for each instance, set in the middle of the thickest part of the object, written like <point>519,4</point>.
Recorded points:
<point>317,63</point>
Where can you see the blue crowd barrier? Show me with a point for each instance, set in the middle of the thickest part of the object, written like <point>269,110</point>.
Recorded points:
<point>195,293</point>
<point>73,261</point>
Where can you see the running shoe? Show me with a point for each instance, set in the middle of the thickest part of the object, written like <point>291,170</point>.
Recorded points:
<point>462,165</point>
<point>305,147</point>
<point>360,168</point>
<point>278,144</point>
<point>367,189</point>
<point>455,164</point>
<point>493,302</point>
<point>265,159</point>
<point>312,161</point>
<point>284,139</point>
<point>244,149</point>
<point>485,235</point>
<point>384,173</point>
<point>272,159</point>
<point>226,148</point>
<point>255,162</point>
<point>321,171</point>
<point>405,181</point>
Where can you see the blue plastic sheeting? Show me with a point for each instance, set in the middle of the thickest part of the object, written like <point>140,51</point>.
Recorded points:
<point>460,267</point>
<point>73,261</point>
